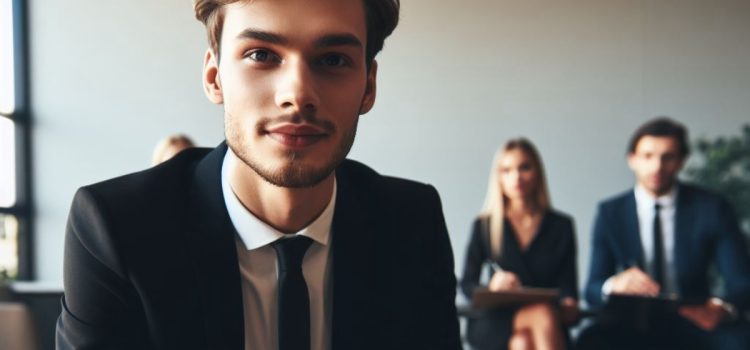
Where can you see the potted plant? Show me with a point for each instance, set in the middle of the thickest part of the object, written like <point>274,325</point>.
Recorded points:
<point>723,165</point>
<point>4,285</point>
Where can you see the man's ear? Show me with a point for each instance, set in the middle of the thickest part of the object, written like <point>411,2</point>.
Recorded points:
<point>211,81</point>
<point>370,89</point>
<point>631,161</point>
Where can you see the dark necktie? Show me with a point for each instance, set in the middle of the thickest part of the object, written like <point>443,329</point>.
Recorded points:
<point>658,266</point>
<point>293,300</point>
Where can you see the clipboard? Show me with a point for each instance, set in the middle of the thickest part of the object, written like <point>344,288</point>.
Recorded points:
<point>483,298</point>
<point>623,302</point>
<point>641,312</point>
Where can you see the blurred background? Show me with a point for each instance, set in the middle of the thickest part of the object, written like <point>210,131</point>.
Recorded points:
<point>87,88</point>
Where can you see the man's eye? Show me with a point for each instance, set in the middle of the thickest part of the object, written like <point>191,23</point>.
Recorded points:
<point>333,61</point>
<point>262,56</point>
<point>669,158</point>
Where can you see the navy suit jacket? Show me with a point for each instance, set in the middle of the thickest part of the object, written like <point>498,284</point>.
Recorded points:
<point>150,263</point>
<point>706,232</point>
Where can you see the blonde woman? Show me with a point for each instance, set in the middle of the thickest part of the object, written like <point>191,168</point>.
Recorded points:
<point>522,241</point>
<point>169,147</point>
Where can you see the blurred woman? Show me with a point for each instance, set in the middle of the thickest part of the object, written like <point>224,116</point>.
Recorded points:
<point>523,242</point>
<point>169,147</point>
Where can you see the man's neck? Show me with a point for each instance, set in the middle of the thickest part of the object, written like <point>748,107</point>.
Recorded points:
<point>658,194</point>
<point>288,210</point>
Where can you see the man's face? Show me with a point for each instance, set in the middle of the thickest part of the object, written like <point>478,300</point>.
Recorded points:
<point>293,80</point>
<point>656,163</point>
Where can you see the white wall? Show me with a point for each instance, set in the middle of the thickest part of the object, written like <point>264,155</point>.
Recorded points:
<point>457,79</point>
<point>109,79</point>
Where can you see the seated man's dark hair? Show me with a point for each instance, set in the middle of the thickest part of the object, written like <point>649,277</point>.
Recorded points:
<point>662,127</point>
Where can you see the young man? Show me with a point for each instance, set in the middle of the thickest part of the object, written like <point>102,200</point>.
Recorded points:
<point>659,240</point>
<point>272,240</point>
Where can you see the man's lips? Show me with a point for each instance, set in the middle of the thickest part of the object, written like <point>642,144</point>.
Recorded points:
<point>656,178</point>
<point>297,135</point>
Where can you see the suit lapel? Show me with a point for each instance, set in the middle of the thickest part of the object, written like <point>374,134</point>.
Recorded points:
<point>682,232</point>
<point>211,245</point>
<point>353,244</point>
<point>633,253</point>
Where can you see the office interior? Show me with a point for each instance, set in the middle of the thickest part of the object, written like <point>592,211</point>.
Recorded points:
<point>106,80</point>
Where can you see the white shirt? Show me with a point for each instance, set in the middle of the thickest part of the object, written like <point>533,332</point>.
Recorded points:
<point>259,271</point>
<point>645,204</point>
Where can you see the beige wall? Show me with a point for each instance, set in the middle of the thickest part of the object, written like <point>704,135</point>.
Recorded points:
<point>457,79</point>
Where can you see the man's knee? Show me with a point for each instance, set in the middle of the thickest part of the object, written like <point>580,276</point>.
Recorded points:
<point>733,337</point>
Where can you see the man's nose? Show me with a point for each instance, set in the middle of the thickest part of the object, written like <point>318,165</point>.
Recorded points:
<point>296,90</point>
<point>658,163</point>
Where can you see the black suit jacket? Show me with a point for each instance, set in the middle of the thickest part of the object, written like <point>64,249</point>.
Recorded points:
<point>150,263</point>
<point>706,232</point>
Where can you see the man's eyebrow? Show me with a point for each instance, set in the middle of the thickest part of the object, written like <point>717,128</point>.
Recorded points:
<point>268,37</point>
<point>329,40</point>
<point>338,40</point>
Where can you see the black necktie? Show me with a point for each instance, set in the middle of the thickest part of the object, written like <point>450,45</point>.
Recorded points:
<point>658,266</point>
<point>293,300</point>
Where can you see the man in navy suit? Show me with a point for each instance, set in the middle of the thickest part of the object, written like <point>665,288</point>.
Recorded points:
<point>659,240</point>
<point>272,240</point>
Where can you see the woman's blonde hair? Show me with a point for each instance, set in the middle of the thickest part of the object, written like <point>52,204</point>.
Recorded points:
<point>493,212</point>
<point>170,146</point>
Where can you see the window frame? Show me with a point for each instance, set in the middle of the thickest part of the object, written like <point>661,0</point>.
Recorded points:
<point>23,208</point>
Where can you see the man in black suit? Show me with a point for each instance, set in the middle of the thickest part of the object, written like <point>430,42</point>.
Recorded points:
<point>659,240</point>
<point>272,240</point>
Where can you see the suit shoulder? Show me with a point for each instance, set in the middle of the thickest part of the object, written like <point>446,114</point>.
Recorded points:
<point>617,201</point>
<point>699,193</point>
<point>121,211</point>
<point>704,198</point>
<point>367,178</point>
<point>164,180</point>
<point>558,215</point>
<point>561,218</point>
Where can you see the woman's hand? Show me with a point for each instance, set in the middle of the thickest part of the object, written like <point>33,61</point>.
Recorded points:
<point>569,313</point>
<point>504,280</point>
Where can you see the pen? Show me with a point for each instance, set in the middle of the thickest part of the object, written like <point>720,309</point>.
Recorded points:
<point>495,266</point>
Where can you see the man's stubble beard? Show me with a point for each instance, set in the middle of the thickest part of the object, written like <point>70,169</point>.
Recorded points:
<point>293,174</point>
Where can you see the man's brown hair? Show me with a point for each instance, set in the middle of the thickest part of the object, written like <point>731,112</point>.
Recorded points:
<point>381,17</point>
<point>662,127</point>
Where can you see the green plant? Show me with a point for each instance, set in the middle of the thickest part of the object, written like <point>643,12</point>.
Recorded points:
<point>724,166</point>
<point>4,281</point>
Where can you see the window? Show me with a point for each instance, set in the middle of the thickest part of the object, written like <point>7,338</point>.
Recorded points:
<point>7,78</point>
<point>8,247</point>
<point>15,204</point>
<point>7,163</point>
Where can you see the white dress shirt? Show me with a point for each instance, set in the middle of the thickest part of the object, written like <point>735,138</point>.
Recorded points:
<point>645,204</point>
<point>259,271</point>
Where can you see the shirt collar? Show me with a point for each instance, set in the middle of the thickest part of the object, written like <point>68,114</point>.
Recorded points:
<point>255,233</point>
<point>645,199</point>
